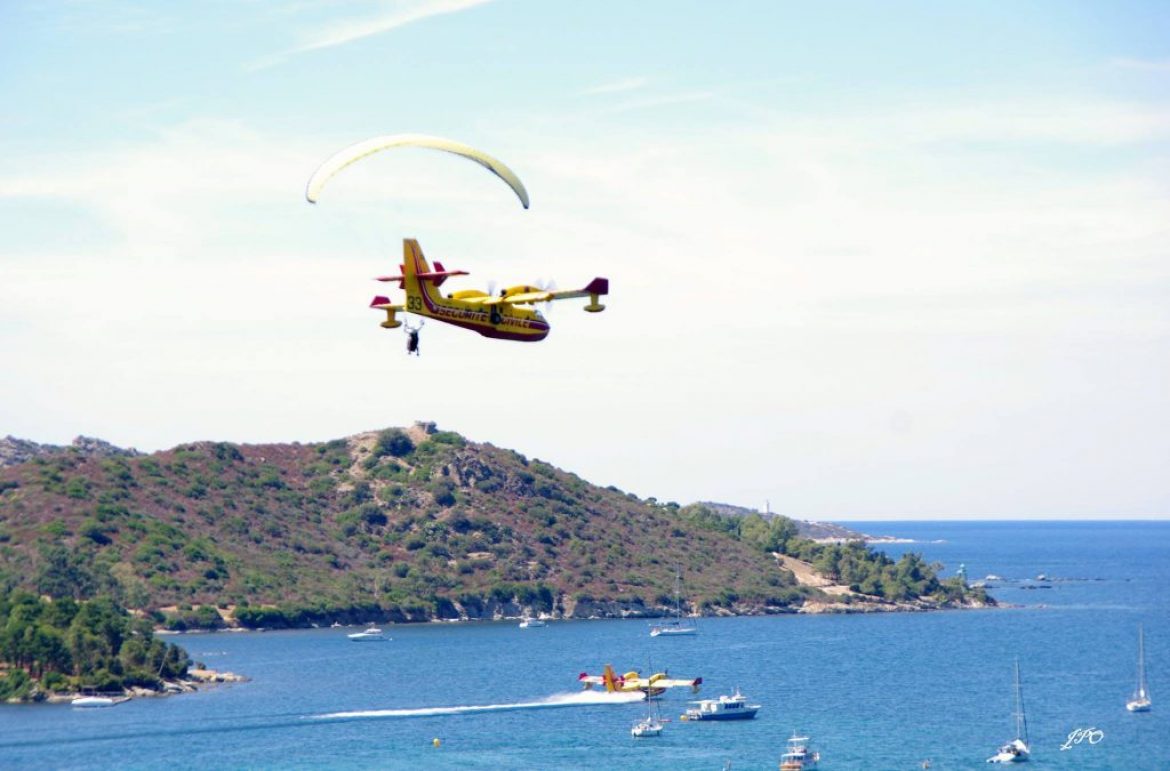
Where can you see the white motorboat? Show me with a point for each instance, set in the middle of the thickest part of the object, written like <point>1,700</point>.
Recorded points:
<point>528,622</point>
<point>733,707</point>
<point>798,756</point>
<point>677,627</point>
<point>1015,751</point>
<point>93,701</point>
<point>1141,696</point>
<point>373,634</point>
<point>673,629</point>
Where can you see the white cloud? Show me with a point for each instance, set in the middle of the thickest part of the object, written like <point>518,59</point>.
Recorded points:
<point>394,14</point>
<point>617,86</point>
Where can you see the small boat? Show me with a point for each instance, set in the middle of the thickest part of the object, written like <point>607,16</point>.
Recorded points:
<point>798,756</point>
<point>649,726</point>
<point>93,701</point>
<point>1015,751</point>
<point>676,627</point>
<point>528,622</point>
<point>1141,696</point>
<point>673,629</point>
<point>733,707</point>
<point>373,634</point>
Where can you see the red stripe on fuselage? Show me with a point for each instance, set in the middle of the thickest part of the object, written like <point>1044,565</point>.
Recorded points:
<point>478,321</point>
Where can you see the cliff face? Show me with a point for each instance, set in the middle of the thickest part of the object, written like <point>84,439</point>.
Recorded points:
<point>412,523</point>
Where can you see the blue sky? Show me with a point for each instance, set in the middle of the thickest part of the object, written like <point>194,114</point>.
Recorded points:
<point>868,260</point>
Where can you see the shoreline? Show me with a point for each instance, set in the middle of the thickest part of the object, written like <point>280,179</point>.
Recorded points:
<point>860,606</point>
<point>196,679</point>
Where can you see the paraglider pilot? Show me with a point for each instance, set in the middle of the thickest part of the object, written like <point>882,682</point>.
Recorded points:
<point>412,337</point>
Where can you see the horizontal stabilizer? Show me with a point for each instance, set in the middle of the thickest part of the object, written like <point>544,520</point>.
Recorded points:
<point>383,303</point>
<point>438,276</point>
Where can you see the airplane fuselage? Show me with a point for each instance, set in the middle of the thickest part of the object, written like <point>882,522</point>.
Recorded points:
<point>503,321</point>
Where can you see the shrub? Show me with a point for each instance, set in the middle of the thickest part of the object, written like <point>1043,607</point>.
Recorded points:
<point>393,442</point>
<point>444,493</point>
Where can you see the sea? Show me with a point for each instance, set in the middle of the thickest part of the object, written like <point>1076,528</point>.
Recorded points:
<point>872,691</point>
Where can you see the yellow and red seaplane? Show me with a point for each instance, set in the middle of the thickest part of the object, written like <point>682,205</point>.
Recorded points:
<point>654,685</point>
<point>503,316</point>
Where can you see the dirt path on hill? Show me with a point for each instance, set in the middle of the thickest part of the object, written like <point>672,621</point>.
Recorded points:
<point>806,576</point>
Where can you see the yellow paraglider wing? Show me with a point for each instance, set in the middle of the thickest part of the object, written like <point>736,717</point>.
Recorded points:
<point>356,152</point>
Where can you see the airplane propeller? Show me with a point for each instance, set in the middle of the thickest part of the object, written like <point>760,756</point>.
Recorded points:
<point>546,286</point>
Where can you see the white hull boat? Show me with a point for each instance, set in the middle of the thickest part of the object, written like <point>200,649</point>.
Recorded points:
<point>373,634</point>
<point>724,708</point>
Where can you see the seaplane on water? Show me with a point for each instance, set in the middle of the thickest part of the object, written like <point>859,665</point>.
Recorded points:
<point>501,316</point>
<point>654,685</point>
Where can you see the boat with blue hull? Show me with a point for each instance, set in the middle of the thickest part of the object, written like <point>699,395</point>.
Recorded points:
<point>734,707</point>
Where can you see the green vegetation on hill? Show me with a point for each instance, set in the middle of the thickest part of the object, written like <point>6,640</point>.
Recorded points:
<point>863,569</point>
<point>63,645</point>
<point>405,525</point>
<point>392,525</point>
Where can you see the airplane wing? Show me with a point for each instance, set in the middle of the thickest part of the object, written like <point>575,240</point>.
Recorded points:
<point>596,287</point>
<point>528,297</point>
<point>668,683</point>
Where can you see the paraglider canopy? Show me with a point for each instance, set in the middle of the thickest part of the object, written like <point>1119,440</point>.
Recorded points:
<point>356,152</point>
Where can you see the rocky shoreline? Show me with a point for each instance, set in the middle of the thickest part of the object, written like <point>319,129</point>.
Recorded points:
<point>595,610</point>
<point>196,679</point>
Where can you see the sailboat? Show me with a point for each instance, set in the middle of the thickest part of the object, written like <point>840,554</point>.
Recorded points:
<point>677,627</point>
<point>1015,751</point>
<point>651,725</point>
<point>1141,697</point>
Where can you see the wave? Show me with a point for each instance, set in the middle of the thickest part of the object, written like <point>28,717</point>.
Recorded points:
<point>576,699</point>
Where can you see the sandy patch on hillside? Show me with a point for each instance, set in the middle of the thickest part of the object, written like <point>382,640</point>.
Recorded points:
<point>806,576</point>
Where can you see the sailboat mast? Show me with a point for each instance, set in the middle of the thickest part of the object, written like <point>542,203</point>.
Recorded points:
<point>1141,664</point>
<point>1021,721</point>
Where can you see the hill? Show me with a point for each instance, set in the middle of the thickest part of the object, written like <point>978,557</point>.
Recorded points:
<point>398,524</point>
<point>827,531</point>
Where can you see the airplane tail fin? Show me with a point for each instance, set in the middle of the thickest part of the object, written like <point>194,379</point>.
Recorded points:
<point>414,267</point>
<point>610,679</point>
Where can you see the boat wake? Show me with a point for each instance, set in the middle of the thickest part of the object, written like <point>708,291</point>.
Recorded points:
<point>576,699</point>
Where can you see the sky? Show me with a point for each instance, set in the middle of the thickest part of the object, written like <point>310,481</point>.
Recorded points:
<point>867,260</point>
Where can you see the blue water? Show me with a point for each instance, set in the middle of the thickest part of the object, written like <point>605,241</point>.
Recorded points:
<point>882,691</point>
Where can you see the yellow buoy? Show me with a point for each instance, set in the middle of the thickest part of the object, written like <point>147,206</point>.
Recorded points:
<point>436,741</point>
